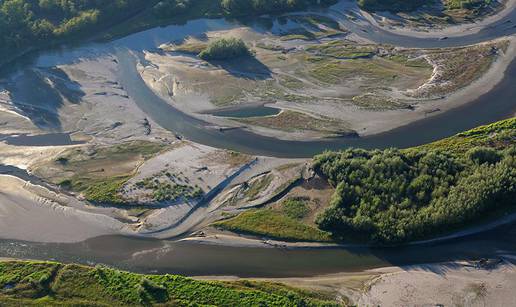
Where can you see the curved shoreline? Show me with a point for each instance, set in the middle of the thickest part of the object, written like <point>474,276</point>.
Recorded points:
<point>462,29</point>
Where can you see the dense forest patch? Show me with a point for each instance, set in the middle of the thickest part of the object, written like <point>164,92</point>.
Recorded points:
<point>392,196</point>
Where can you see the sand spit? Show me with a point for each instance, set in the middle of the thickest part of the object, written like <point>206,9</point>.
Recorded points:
<point>25,214</point>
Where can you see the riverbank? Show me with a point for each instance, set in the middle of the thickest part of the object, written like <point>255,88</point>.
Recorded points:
<point>469,283</point>
<point>388,22</point>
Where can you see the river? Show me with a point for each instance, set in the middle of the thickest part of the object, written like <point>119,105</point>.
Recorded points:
<point>193,259</point>
<point>162,256</point>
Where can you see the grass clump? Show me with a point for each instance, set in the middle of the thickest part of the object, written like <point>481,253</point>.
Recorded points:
<point>224,49</point>
<point>105,191</point>
<point>339,49</point>
<point>295,208</point>
<point>293,121</point>
<point>75,285</point>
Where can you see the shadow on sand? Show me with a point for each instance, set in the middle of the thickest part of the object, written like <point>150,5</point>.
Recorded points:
<point>39,94</point>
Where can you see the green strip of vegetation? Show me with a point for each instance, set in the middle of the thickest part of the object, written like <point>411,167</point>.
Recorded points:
<point>496,135</point>
<point>54,284</point>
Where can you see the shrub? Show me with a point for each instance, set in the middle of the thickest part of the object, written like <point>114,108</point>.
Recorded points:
<point>481,155</point>
<point>225,48</point>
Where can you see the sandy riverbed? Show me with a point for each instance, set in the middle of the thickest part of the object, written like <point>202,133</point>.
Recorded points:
<point>30,213</point>
<point>442,284</point>
<point>169,70</point>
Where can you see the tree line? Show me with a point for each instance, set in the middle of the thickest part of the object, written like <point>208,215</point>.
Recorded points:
<point>26,24</point>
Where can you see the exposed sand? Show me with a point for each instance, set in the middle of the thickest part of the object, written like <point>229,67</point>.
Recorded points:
<point>449,284</point>
<point>368,123</point>
<point>190,97</point>
<point>442,284</point>
<point>25,214</point>
<point>83,97</point>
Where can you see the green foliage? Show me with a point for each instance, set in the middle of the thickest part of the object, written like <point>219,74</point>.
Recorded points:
<point>411,5</point>
<point>295,208</point>
<point>497,135</point>
<point>169,8</point>
<point>74,285</point>
<point>28,23</point>
<point>392,196</point>
<point>258,186</point>
<point>105,191</point>
<point>481,155</point>
<point>225,48</point>
<point>466,4</point>
<point>85,173</point>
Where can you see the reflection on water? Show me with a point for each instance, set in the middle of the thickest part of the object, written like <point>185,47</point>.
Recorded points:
<point>247,111</point>
<point>51,139</point>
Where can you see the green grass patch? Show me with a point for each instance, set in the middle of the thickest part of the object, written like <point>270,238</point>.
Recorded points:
<point>410,62</point>
<point>340,49</point>
<point>295,208</point>
<point>269,223</point>
<point>102,191</point>
<point>55,284</point>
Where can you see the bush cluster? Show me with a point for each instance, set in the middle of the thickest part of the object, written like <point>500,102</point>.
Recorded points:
<point>225,48</point>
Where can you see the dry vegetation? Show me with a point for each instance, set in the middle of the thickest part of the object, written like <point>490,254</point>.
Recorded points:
<point>295,121</point>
